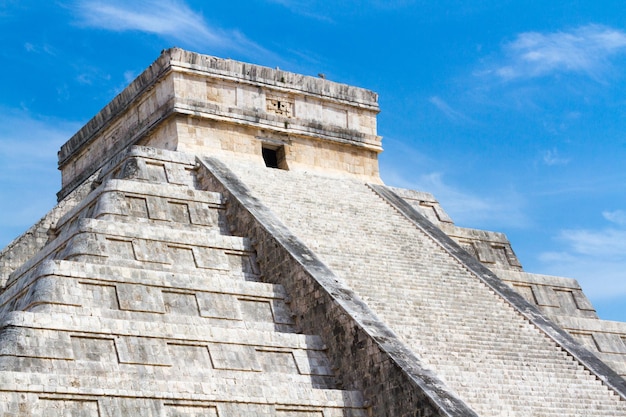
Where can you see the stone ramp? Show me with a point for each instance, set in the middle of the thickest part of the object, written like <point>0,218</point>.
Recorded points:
<point>142,305</point>
<point>493,357</point>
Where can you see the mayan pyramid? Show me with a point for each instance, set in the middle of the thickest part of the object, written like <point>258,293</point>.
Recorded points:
<point>223,246</point>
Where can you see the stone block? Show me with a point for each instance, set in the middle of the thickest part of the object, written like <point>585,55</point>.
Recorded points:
<point>234,357</point>
<point>124,407</point>
<point>101,295</point>
<point>312,362</point>
<point>281,361</point>
<point>181,303</point>
<point>609,343</point>
<point>545,296</point>
<point>64,407</point>
<point>143,351</point>
<point>179,212</point>
<point>190,356</point>
<point>256,310</point>
<point>211,258</point>
<point>222,306</point>
<point>35,343</point>
<point>158,209</point>
<point>95,349</point>
<point>190,410</point>
<point>140,298</point>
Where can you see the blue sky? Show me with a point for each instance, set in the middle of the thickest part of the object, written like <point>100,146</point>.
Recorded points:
<point>512,113</point>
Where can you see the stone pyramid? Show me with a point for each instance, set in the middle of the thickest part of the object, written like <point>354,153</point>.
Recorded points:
<point>224,246</point>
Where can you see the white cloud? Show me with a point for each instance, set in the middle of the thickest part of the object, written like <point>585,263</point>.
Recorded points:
<point>172,19</point>
<point>551,157</point>
<point>604,243</point>
<point>584,50</point>
<point>88,75</point>
<point>597,258</point>
<point>39,49</point>
<point>451,113</point>
<point>129,76</point>
<point>403,165</point>
<point>465,209</point>
<point>324,10</point>
<point>315,10</point>
<point>616,216</point>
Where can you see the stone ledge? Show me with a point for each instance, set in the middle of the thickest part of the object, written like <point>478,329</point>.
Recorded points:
<point>171,192</point>
<point>282,80</point>
<point>539,279</point>
<point>88,235</point>
<point>295,127</point>
<point>209,390</point>
<point>171,331</point>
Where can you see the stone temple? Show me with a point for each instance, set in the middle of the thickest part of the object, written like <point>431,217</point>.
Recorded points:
<point>223,246</point>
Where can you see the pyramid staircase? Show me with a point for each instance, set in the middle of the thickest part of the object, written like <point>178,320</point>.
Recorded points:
<point>496,352</point>
<point>142,303</point>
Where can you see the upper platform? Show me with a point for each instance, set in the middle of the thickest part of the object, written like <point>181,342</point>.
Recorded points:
<point>210,106</point>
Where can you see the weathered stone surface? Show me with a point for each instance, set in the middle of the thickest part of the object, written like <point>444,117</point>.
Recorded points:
<point>221,248</point>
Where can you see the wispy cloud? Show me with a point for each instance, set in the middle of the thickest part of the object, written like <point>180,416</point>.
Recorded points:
<point>585,50</point>
<point>172,19</point>
<point>597,258</point>
<point>315,10</point>
<point>39,49</point>
<point>466,209</point>
<point>616,216</point>
<point>326,11</point>
<point>446,109</point>
<point>89,74</point>
<point>551,157</point>
<point>598,243</point>
<point>472,210</point>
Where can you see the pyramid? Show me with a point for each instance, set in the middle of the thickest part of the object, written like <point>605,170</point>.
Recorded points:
<point>223,246</point>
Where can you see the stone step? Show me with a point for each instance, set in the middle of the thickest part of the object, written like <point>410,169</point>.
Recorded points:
<point>151,165</point>
<point>179,313</point>
<point>213,295</point>
<point>151,247</point>
<point>194,364</point>
<point>64,325</point>
<point>141,292</point>
<point>59,340</point>
<point>218,390</point>
<point>133,201</point>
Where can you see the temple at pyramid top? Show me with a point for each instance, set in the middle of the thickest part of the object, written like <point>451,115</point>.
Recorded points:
<point>205,105</point>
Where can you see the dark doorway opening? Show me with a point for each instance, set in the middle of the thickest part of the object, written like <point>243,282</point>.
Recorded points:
<point>270,156</point>
<point>274,157</point>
